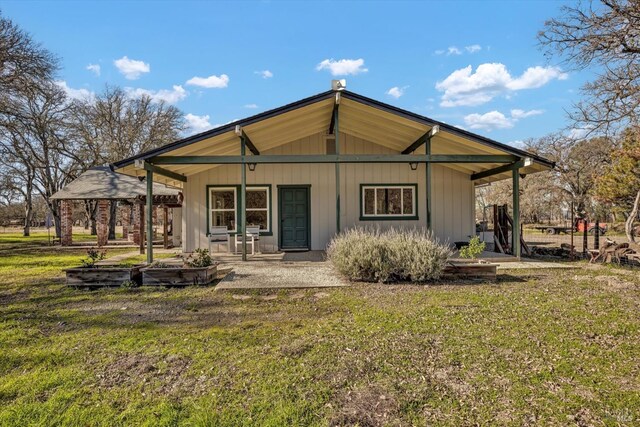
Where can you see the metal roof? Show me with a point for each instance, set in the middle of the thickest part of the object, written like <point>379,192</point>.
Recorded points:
<point>103,183</point>
<point>360,116</point>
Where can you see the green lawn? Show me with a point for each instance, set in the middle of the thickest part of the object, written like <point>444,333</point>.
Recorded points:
<point>536,348</point>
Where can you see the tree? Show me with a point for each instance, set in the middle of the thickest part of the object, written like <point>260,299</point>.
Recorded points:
<point>579,162</point>
<point>605,34</point>
<point>620,184</point>
<point>26,68</point>
<point>114,125</point>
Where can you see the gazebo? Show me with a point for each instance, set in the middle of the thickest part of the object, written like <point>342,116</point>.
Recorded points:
<point>104,185</point>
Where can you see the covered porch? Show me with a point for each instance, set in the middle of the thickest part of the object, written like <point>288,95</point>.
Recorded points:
<point>328,120</point>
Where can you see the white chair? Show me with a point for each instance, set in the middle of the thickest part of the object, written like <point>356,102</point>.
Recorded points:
<point>219,235</point>
<point>252,235</point>
<point>254,231</point>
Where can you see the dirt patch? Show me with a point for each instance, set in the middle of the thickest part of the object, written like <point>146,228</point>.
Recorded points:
<point>163,376</point>
<point>614,282</point>
<point>296,348</point>
<point>371,406</point>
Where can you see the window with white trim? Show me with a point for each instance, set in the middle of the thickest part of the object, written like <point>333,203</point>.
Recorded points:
<point>258,207</point>
<point>222,205</point>
<point>388,201</point>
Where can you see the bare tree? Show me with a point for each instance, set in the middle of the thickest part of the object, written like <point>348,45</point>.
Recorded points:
<point>115,125</point>
<point>605,34</point>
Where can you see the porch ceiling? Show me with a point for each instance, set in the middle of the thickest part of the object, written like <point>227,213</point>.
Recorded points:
<point>358,116</point>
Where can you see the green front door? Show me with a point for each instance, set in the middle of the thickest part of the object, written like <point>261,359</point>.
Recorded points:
<point>294,217</point>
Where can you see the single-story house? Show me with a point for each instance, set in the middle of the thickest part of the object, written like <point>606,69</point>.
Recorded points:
<point>307,170</point>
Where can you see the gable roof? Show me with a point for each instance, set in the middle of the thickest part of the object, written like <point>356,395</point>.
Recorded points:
<point>102,183</point>
<point>360,116</point>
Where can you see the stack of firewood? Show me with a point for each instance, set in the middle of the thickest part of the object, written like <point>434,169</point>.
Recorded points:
<point>614,252</point>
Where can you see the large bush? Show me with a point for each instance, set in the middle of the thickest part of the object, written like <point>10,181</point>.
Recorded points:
<point>388,256</point>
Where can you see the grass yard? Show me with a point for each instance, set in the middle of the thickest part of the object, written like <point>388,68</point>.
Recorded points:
<point>557,347</point>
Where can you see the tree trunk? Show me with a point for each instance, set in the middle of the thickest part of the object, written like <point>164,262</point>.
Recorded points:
<point>28,212</point>
<point>628,225</point>
<point>113,213</point>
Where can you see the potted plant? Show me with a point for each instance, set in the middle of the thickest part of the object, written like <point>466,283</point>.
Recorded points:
<point>197,269</point>
<point>474,267</point>
<point>91,273</point>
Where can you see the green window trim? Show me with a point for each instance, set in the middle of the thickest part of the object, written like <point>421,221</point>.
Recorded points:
<point>378,217</point>
<point>238,188</point>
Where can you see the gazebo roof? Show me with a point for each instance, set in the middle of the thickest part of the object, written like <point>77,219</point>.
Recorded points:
<point>101,183</point>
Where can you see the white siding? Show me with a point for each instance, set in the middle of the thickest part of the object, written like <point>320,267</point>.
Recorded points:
<point>452,199</point>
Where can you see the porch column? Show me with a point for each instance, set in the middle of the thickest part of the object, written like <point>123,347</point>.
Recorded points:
<point>66,223</point>
<point>336,132</point>
<point>125,214</point>
<point>243,197</point>
<point>149,217</point>
<point>165,227</point>
<point>140,209</point>
<point>103,222</point>
<point>427,148</point>
<point>515,232</point>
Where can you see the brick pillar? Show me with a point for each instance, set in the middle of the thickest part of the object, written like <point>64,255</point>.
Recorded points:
<point>66,223</point>
<point>125,213</point>
<point>136,223</point>
<point>103,222</point>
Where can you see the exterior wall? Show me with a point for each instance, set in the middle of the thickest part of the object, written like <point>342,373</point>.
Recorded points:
<point>452,199</point>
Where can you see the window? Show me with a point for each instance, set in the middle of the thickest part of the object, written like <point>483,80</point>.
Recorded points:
<point>388,201</point>
<point>224,207</point>
<point>222,203</point>
<point>258,207</point>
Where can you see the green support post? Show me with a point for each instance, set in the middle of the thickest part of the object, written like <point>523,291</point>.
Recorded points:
<point>428,182</point>
<point>336,131</point>
<point>243,197</point>
<point>515,232</point>
<point>149,217</point>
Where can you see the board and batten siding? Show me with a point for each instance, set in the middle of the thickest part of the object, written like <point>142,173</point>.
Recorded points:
<point>452,202</point>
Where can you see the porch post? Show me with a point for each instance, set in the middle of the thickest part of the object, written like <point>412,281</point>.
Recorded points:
<point>515,231</point>
<point>336,132</point>
<point>149,217</point>
<point>243,196</point>
<point>427,148</point>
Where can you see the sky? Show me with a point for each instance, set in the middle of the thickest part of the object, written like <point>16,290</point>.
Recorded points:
<point>472,64</point>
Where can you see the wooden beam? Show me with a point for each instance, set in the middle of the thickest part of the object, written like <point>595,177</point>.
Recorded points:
<point>243,201</point>
<point>337,165</point>
<point>423,139</point>
<point>334,114</point>
<point>149,217</point>
<point>515,227</point>
<point>141,164</point>
<point>335,158</point>
<point>498,170</point>
<point>249,144</point>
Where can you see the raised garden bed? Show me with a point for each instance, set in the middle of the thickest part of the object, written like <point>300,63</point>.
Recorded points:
<point>470,269</point>
<point>176,275</point>
<point>103,276</point>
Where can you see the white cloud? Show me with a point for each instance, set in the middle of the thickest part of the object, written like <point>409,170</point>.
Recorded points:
<point>213,81</point>
<point>94,68</point>
<point>518,143</point>
<point>396,91</point>
<point>468,88</point>
<point>452,50</point>
<point>198,124</point>
<point>579,133</point>
<point>132,69</point>
<point>169,96</point>
<point>439,52</point>
<point>521,114</point>
<point>81,94</point>
<point>265,74</point>
<point>251,106</point>
<point>488,121</point>
<point>497,120</point>
<point>473,48</point>
<point>343,67</point>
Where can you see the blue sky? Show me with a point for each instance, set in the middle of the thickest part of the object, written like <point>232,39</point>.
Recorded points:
<point>473,64</point>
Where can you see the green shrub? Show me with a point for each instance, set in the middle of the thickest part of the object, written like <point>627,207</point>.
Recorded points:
<point>199,258</point>
<point>93,256</point>
<point>473,249</point>
<point>388,256</point>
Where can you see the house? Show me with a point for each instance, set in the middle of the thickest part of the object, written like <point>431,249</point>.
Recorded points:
<point>309,169</point>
